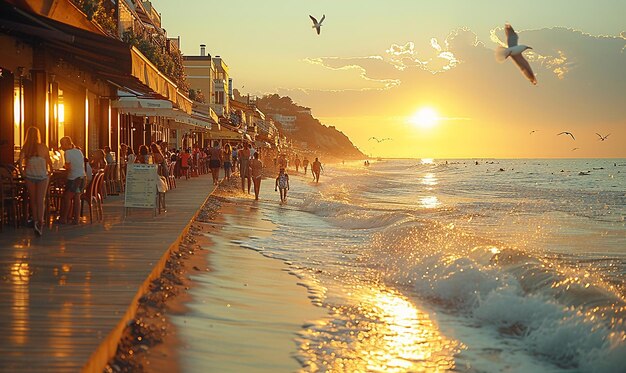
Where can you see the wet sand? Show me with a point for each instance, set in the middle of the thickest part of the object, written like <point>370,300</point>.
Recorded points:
<point>242,308</point>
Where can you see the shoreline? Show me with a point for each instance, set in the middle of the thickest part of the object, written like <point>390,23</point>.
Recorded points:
<point>152,339</point>
<point>144,340</point>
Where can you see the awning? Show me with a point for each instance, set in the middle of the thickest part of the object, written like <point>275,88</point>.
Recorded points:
<point>108,57</point>
<point>124,102</point>
<point>193,121</point>
<point>224,134</point>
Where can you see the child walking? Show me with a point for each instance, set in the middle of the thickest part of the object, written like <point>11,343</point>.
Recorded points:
<point>282,183</point>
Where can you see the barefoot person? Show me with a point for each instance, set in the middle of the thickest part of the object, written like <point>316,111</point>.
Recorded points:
<point>215,161</point>
<point>244,167</point>
<point>256,169</point>
<point>297,163</point>
<point>316,167</point>
<point>282,183</point>
<point>35,163</point>
<point>305,164</point>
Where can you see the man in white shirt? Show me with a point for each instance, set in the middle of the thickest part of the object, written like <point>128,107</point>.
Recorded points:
<point>75,166</point>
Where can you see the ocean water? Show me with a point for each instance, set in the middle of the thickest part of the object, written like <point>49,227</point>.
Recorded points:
<point>435,265</point>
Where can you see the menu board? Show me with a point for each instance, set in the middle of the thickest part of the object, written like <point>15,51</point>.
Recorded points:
<point>141,188</point>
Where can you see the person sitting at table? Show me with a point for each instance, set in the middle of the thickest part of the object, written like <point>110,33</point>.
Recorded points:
<point>130,156</point>
<point>97,160</point>
<point>35,163</point>
<point>108,156</point>
<point>144,155</point>
<point>75,167</point>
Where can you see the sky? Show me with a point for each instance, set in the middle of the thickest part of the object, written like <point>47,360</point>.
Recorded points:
<point>422,74</point>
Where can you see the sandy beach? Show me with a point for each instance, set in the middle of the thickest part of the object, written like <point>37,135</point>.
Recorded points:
<point>252,308</point>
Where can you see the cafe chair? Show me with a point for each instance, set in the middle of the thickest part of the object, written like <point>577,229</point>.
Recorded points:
<point>92,197</point>
<point>11,198</point>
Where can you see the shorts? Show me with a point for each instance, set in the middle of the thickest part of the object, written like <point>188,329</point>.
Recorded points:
<point>227,165</point>
<point>76,185</point>
<point>214,163</point>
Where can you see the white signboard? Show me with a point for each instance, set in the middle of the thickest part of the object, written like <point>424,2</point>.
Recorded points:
<point>141,188</point>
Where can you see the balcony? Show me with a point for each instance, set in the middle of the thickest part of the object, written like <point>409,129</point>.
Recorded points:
<point>220,84</point>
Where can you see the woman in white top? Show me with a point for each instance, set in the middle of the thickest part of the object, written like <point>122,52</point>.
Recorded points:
<point>35,163</point>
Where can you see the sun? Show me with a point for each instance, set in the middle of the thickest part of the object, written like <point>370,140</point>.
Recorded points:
<point>425,118</point>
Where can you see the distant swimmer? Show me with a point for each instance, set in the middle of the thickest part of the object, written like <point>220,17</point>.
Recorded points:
<point>317,25</point>
<point>515,51</point>
<point>602,138</point>
<point>566,133</point>
<point>380,140</point>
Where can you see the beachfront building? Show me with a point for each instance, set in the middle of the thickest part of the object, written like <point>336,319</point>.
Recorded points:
<point>85,76</point>
<point>287,122</point>
<point>221,89</point>
<point>209,81</point>
<point>149,118</point>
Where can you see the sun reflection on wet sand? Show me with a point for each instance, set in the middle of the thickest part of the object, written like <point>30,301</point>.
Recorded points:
<point>430,202</point>
<point>384,333</point>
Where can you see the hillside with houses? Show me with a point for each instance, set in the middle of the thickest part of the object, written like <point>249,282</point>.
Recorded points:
<point>302,128</point>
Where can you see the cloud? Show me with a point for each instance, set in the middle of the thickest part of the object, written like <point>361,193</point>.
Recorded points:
<point>582,84</point>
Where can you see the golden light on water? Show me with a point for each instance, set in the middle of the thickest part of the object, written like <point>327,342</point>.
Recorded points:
<point>425,118</point>
<point>386,332</point>
<point>429,179</point>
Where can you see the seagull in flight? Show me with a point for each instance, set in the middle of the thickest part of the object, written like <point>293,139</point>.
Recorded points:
<point>515,51</point>
<point>566,133</point>
<point>380,140</point>
<point>575,149</point>
<point>533,131</point>
<point>602,138</point>
<point>317,25</point>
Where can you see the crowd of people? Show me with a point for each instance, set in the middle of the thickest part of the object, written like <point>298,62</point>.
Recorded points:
<point>37,163</point>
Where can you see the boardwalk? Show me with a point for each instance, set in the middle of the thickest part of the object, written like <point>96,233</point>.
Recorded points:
<point>65,297</point>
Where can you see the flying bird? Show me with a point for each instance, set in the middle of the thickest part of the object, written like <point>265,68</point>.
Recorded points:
<point>575,149</point>
<point>602,138</point>
<point>533,131</point>
<point>515,51</point>
<point>566,133</point>
<point>380,140</point>
<point>317,25</point>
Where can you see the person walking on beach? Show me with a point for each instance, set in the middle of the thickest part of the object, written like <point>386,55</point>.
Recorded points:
<point>235,162</point>
<point>35,163</point>
<point>244,167</point>
<point>256,170</point>
<point>316,168</point>
<point>215,161</point>
<point>75,166</point>
<point>305,164</point>
<point>296,162</point>
<point>228,164</point>
<point>282,183</point>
